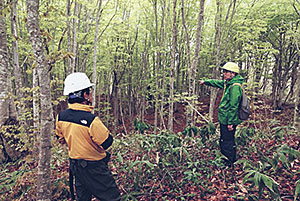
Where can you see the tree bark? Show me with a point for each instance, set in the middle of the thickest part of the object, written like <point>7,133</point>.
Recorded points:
<point>172,70</point>
<point>4,103</point>
<point>99,3</point>
<point>297,102</point>
<point>192,73</point>
<point>36,103</point>
<point>190,113</point>
<point>43,182</point>
<point>213,94</point>
<point>74,42</point>
<point>16,66</point>
<point>69,60</point>
<point>221,35</point>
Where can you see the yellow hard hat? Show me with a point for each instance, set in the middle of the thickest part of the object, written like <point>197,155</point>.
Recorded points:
<point>233,67</point>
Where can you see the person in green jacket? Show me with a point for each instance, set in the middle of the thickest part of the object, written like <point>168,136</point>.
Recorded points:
<point>228,108</point>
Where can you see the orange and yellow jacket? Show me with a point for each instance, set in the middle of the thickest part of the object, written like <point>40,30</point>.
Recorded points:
<point>84,133</point>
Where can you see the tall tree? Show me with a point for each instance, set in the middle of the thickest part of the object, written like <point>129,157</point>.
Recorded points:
<point>172,69</point>
<point>4,104</point>
<point>190,113</point>
<point>297,102</point>
<point>74,42</point>
<point>192,70</point>
<point>43,183</point>
<point>15,49</point>
<point>222,34</point>
<point>99,3</point>
<point>297,93</point>
<point>69,59</point>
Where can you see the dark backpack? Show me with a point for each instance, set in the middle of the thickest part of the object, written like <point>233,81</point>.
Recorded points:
<point>244,107</point>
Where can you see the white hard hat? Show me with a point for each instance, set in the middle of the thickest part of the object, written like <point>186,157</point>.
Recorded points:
<point>76,82</point>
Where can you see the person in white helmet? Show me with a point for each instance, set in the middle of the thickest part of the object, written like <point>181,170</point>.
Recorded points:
<point>87,139</point>
<point>228,108</point>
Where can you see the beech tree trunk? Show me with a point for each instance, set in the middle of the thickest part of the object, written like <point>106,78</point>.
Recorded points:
<point>69,60</point>
<point>190,113</point>
<point>192,73</point>
<point>99,3</point>
<point>4,103</point>
<point>36,103</point>
<point>297,102</point>
<point>213,91</point>
<point>16,66</point>
<point>222,34</point>
<point>43,182</point>
<point>156,63</point>
<point>172,70</point>
<point>74,45</point>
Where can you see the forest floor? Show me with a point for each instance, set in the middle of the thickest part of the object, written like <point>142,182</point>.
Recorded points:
<point>221,183</point>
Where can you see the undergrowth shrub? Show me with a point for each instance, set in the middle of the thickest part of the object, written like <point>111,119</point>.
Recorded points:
<point>15,140</point>
<point>140,126</point>
<point>160,160</point>
<point>244,135</point>
<point>262,173</point>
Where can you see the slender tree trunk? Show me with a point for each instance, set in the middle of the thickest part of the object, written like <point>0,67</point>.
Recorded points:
<point>155,69</point>
<point>144,77</point>
<point>192,73</point>
<point>160,65</point>
<point>78,50</point>
<point>297,102</point>
<point>99,3</point>
<point>222,34</point>
<point>4,103</point>
<point>70,70</point>
<point>213,94</point>
<point>297,96</point>
<point>275,80</point>
<point>16,66</point>
<point>43,183</point>
<point>36,103</point>
<point>190,112</point>
<point>74,45</point>
<point>172,70</point>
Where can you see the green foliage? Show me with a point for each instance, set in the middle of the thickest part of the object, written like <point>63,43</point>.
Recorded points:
<point>261,180</point>
<point>192,175</point>
<point>135,46</point>
<point>190,131</point>
<point>204,132</point>
<point>286,155</point>
<point>163,150</point>
<point>297,190</point>
<point>207,131</point>
<point>18,139</point>
<point>244,135</point>
<point>9,179</point>
<point>104,109</point>
<point>140,126</point>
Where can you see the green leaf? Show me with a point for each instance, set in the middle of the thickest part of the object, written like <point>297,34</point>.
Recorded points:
<point>246,178</point>
<point>297,190</point>
<point>257,178</point>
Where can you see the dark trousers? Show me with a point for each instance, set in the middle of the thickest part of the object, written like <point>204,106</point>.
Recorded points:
<point>94,178</point>
<point>227,142</point>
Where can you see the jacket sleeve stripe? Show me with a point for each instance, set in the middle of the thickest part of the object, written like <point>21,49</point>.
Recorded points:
<point>108,142</point>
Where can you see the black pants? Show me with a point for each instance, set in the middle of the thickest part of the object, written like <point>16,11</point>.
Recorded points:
<point>227,142</point>
<point>94,178</point>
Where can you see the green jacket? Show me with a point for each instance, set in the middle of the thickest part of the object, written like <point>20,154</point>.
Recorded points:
<point>229,105</point>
